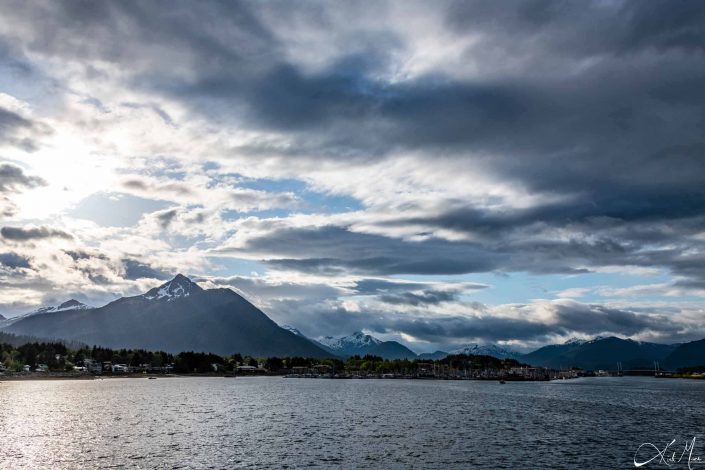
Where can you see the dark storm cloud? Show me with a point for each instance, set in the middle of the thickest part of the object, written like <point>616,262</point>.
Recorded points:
<point>20,234</point>
<point>502,246</point>
<point>596,130</point>
<point>335,249</point>
<point>331,250</point>
<point>588,28</point>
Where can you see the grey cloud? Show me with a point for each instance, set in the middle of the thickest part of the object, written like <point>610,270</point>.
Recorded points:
<point>14,260</point>
<point>21,132</point>
<point>253,199</point>
<point>272,290</point>
<point>426,297</point>
<point>335,249</point>
<point>323,318</point>
<point>370,286</point>
<point>597,131</point>
<point>166,217</point>
<point>141,185</point>
<point>136,270</point>
<point>20,234</point>
<point>13,178</point>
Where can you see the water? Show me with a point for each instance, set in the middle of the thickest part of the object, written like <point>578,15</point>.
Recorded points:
<point>296,423</point>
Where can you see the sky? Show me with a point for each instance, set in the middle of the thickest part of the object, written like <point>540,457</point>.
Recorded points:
<point>438,173</point>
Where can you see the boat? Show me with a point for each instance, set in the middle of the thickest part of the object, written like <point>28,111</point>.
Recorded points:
<point>502,382</point>
<point>152,378</point>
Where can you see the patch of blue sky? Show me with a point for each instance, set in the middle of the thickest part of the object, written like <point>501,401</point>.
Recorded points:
<point>312,201</point>
<point>25,82</point>
<point>110,209</point>
<point>522,287</point>
<point>226,266</point>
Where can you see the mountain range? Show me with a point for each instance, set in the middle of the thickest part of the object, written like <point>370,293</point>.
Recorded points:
<point>601,353</point>
<point>180,316</point>
<point>176,316</point>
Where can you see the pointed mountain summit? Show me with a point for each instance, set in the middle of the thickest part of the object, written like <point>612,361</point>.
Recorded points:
<point>72,304</point>
<point>180,286</point>
<point>177,316</point>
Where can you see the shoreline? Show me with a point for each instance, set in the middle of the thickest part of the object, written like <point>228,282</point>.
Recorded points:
<point>40,377</point>
<point>17,378</point>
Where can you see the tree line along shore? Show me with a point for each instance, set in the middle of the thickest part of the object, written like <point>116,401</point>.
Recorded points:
<point>21,357</point>
<point>56,359</point>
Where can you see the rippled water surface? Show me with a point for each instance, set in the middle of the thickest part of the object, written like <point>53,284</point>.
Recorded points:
<point>296,423</point>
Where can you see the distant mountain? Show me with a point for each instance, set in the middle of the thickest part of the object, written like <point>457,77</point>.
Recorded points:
<point>686,355</point>
<point>361,344</point>
<point>487,350</point>
<point>176,316</point>
<point>68,305</point>
<point>357,343</point>
<point>600,353</point>
<point>434,356</point>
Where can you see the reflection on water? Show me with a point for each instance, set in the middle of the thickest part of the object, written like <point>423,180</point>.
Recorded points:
<point>295,423</point>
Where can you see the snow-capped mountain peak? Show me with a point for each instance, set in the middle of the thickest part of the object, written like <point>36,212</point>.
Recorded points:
<point>355,341</point>
<point>575,341</point>
<point>72,304</point>
<point>487,350</point>
<point>180,286</point>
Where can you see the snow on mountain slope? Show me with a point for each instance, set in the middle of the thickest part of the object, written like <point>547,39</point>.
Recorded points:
<point>487,350</point>
<point>72,304</point>
<point>292,330</point>
<point>355,343</point>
